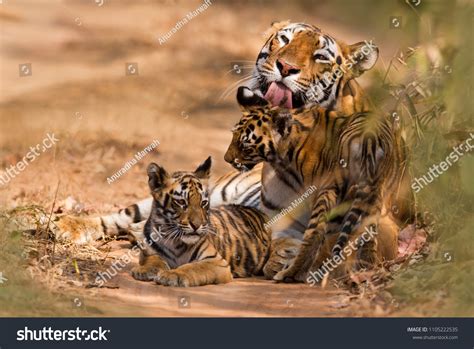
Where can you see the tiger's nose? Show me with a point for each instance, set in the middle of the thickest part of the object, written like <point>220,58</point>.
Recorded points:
<point>194,226</point>
<point>228,157</point>
<point>285,68</point>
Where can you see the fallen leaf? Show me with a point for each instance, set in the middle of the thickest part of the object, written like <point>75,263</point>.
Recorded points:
<point>410,240</point>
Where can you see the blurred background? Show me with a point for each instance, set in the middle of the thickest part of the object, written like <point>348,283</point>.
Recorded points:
<point>94,74</point>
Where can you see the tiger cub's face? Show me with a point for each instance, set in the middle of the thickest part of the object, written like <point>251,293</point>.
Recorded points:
<point>255,137</point>
<point>299,65</point>
<point>181,202</point>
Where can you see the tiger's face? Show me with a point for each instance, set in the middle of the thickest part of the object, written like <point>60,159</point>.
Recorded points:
<point>299,66</point>
<point>181,202</point>
<point>255,136</point>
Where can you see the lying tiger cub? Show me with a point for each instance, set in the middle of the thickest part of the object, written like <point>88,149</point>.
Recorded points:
<point>185,243</point>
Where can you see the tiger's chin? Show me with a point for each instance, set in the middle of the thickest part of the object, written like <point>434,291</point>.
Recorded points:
<point>246,167</point>
<point>191,238</point>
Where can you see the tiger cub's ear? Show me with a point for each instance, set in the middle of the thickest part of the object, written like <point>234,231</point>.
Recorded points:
<point>204,170</point>
<point>247,98</point>
<point>157,176</point>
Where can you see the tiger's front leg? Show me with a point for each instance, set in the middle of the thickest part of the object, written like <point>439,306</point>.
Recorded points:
<point>149,267</point>
<point>367,253</point>
<point>283,252</point>
<point>199,273</point>
<point>210,268</point>
<point>313,237</point>
<point>365,204</point>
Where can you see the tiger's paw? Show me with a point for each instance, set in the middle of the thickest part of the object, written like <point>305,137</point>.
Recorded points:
<point>79,230</point>
<point>143,273</point>
<point>283,254</point>
<point>274,266</point>
<point>290,275</point>
<point>173,278</point>
<point>366,259</point>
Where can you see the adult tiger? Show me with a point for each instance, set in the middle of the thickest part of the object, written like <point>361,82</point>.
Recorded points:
<point>239,188</point>
<point>299,65</point>
<point>353,161</point>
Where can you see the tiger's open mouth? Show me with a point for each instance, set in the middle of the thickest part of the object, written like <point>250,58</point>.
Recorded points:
<point>279,95</point>
<point>242,167</point>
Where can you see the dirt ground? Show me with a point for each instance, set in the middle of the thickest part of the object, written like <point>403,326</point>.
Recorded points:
<point>125,296</point>
<point>79,91</point>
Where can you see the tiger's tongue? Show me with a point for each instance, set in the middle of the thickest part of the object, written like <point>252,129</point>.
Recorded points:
<point>279,95</point>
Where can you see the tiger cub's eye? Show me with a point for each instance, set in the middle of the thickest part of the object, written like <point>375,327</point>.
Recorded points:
<point>180,202</point>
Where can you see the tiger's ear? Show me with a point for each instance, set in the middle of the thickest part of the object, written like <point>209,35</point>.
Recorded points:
<point>275,27</point>
<point>157,176</point>
<point>204,170</point>
<point>362,57</point>
<point>281,121</point>
<point>247,98</point>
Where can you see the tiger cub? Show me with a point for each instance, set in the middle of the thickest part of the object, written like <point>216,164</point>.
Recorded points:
<point>353,161</point>
<point>187,243</point>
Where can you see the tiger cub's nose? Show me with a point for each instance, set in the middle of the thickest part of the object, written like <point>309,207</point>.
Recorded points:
<point>195,227</point>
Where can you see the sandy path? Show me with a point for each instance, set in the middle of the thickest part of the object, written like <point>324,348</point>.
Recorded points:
<point>242,297</point>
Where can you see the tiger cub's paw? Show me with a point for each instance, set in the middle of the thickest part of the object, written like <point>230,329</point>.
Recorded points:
<point>290,275</point>
<point>144,273</point>
<point>283,253</point>
<point>173,278</point>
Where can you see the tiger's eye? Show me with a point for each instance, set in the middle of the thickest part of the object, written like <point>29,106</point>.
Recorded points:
<point>320,57</point>
<point>180,202</point>
<point>284,39</point>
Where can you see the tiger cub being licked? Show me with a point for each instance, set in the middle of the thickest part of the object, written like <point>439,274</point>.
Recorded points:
<point>187,243</point>
<point>352,160</point>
